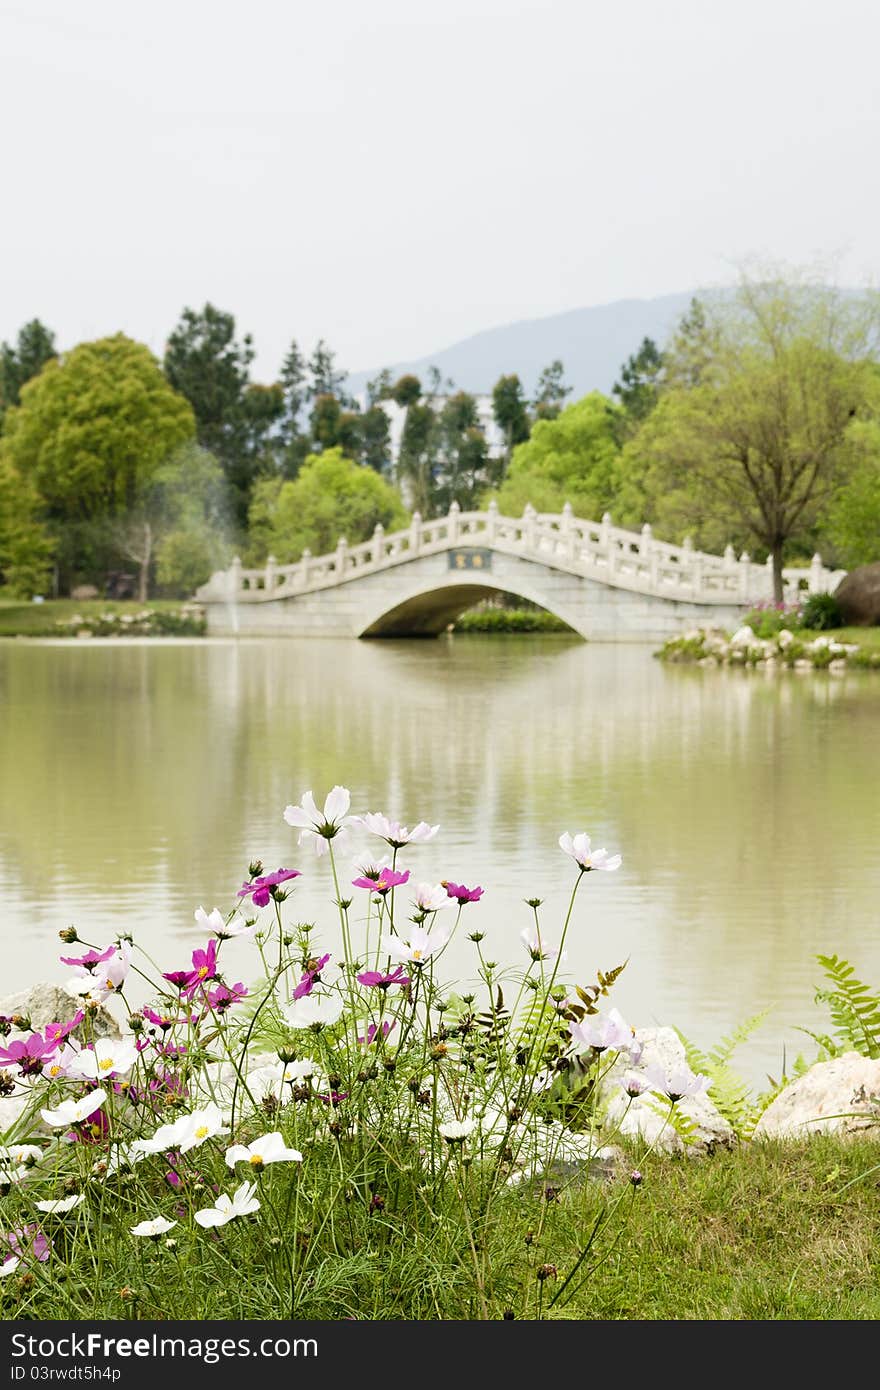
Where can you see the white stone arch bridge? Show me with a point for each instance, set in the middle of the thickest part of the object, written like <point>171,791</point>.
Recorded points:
<point>606,583</point>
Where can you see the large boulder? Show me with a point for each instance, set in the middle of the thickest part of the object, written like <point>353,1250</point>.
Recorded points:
<point>858,595</point>
<point>837,1097</point>
<point>48,1003</point>
<point>646,1117</point>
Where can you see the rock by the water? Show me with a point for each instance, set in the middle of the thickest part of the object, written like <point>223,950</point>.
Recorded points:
<point>646,1116</point>
<point>48,1003</point>
<point>837,1097</point>
<point>858,596</point>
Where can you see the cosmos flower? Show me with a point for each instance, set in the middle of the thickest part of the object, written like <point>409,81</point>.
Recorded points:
<point>313,1011</point>
<point>269,1148</point>
<point>107,1057</point>
<point>430,897</point>
<point>259,890</point>
<point>537,946</point>
<point>385,880</point>
<point>419,946</point>
<point>86,964</point>
<point>395,834</point>
<point>461,894</point>
<point>601,1031</point>
<point>242,1203</point>
<point>456,1131</point>
<point>155,1228</point>
<point>61,1206</point>
<point>73,1112</point>
<point>578,846</point>
<point>330,824</point>
<point>376,979</point>
<point>29,1055</point>
<point>678,1083</point>
<point>223,996</point>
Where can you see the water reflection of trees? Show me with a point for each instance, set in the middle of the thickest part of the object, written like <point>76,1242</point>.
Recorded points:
<point>138,780</point>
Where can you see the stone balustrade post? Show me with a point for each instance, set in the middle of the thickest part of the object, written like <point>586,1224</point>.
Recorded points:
<point>729,557</point>
<point>269,579</point>
<point>235,584</point>
<point>415,532</point>
<point>378,543</point>
<point>452,522</point>
<point>696,573</point>
<point>605,530</point>
<point>529,525</point>
<point>745,565</point>
<point>304,566</point>
<point>816,582</point>
<point>492,520</point>
<point>645,544</point>
<point>341,557</point>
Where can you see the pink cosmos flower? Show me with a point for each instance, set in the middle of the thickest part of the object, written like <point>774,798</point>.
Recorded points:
<point>373,1030</point>
<point>29,1241</point>
<point>461,894</point>
<point>178,978</point>
<point>58,1032</point>
<point>260,890</point>
<point>30,1056</point>
<point>385,880</point>
<point>204,968</point>
<point>310,977</point>
<point>166,1021</point>
<point>601,1031</point>
<point>375,979</point>
<point>90,959</point>
<point>224,996</point>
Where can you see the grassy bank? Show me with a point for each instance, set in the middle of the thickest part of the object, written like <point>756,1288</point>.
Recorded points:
<point>768,1231</point>
<point>848,648</point>
<point>65,617</point>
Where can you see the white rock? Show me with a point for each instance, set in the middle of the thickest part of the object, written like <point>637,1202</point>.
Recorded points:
<point>783,637</point>
<point>46,1002</point>
<point>743,637</point>
<point>646,1116</point>
<point>837,1097</point>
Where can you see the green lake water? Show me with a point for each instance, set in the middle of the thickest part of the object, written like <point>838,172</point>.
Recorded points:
<point>137,780</point>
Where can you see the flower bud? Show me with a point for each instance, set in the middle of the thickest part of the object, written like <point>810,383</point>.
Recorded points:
<point>69,935</point>
<point>547,1272</point>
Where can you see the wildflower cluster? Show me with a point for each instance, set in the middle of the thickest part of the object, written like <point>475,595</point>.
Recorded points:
<point>227,1106</point>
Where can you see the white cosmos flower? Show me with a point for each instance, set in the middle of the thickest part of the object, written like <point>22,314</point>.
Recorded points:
<point>678,1083</point>
<point>85,989</point>
<point>300,1070</point>
<point>456,1131</point>
<point>269,1148</point>
<point>394,833</point>
<point>157,1227</point>
<point>111,974</point>
<point>330,824</point>
<point>538,946</point>
<point>634,1084</point>
<point>194,1129</point>
<point>126,1156</point>
<point>9,1266</point>
<point>313,1011</point>
<point>430,897</point>
<point>213,923</point>
<point>63,1204</point>
<point>419,946</point>
<point>242,1203</point>
<point>108,1057</point>
<point>19,1155</point>
<point>73,1112</point>
<point>602,1031</point>
<point>578,846</point>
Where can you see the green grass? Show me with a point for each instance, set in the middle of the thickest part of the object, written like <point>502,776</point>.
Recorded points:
<point>769,1231</point>
<point>868,638</point>
<point>19,619</point>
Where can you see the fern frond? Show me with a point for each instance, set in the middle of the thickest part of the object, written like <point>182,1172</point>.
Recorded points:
<point>854,1007</point>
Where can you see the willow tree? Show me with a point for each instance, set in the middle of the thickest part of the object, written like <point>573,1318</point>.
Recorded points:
<point>763,440</point>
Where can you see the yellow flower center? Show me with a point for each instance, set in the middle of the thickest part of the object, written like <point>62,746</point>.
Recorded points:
<point>417,955</point>
<point>381,885</point>
<point>256,1160</point>
<point>54,1071</point>
<point>203,970</point>
<point>202,1132</point>
<point>106,1064</point>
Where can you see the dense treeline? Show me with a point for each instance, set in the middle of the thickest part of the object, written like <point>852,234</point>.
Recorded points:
<point>758,423</point>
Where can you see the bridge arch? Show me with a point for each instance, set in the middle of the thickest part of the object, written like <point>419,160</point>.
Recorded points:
<point>429,606</point>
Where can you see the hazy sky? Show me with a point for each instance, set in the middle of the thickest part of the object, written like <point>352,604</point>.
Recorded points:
<point>396,174</point>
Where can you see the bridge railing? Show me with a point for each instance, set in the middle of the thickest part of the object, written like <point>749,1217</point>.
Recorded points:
<point>594,549</point>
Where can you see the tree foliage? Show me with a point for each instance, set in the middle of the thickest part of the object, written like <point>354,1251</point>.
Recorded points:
<point>331,497</point>
<point>34,347</point>
<point>851,521</point>
<point>551,391</point>
<point>25,545</point>
<point>510,411</point>
<point>572,458</point>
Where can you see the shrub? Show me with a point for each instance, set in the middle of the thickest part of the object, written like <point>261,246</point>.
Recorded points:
<point>768,619</point>
<point>821,612</point>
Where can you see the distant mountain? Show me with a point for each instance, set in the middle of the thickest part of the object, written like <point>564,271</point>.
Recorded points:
<point>592,344</point>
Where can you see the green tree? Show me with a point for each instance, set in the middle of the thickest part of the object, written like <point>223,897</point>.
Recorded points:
<point>25,545</point>
<point>638,389</point>
<point>325,420</point>
<point>326,379</point>
<point>509,408</point>
<point>572,458</point>
<point>851,521</point>
<point>379,388</point>
<point>375,435</point>
<point>34,347</point>
<point>551,391</point>
<point>406,390</point>
<point>417,461</point>
<point>762,443</point>
<point>208,365</point>
<point>464,468</point>
<point>332,497</point>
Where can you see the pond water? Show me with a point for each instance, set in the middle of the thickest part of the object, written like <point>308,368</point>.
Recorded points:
<point>137,780</point>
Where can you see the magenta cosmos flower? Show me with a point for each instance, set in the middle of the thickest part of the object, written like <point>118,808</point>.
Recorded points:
<point>461,894</point>
<point>224,996</point>
<point>383,882</point>
<point>260,890</point>
<point>90,959</point>
<point>311,974</point>
<point>375,979</point>
<point>31,1055</point>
